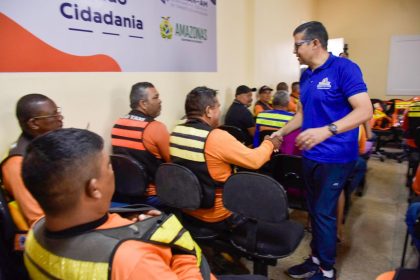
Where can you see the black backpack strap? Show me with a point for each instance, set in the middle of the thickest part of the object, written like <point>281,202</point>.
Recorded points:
<point>132,208</point>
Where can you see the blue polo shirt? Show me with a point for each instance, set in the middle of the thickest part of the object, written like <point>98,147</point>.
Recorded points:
<point>324,96</point>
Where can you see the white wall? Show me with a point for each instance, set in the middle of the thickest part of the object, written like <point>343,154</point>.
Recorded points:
<point>273,53</point>
<point>99,98</point>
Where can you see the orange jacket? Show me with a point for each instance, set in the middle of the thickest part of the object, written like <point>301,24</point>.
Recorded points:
<point>13,183</point>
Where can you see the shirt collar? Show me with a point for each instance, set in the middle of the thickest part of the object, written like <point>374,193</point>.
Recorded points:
<point>77,230</point>
<point>328,62</point>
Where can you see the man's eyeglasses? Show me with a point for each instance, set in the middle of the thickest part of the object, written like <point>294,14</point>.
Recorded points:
<point>57,114</point>
<point>300,43</point>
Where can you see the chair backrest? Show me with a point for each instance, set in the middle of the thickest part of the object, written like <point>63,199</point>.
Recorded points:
<point>256,196</point>
<point>235,132</point>
<point>7,226</point>
<point>287,170</point>
<point>417,137</point>
<point>264,133</point>
<point>178,187</point>
<point>11,254</point>
<point>130,177</point>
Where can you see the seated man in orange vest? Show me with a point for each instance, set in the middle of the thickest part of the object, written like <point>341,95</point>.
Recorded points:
<point>140,136</point>
<point>70,175</point>
<point>210,152</point>
<point>37,115</point>
<point>263,103</point>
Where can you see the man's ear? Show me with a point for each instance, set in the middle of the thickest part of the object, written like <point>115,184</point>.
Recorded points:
<point>208,115</point>
<point>92,189</point>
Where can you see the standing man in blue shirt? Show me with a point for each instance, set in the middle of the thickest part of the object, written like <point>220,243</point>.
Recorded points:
<point>334,103</point>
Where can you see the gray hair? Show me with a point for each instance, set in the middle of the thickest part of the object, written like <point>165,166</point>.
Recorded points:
<point>281,98</point>
<point>138,93</point>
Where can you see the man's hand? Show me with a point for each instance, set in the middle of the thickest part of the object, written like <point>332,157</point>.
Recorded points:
<point>277,133</point>
<point>276,141</point>
<point>311,137</point>
<point>146,215</point>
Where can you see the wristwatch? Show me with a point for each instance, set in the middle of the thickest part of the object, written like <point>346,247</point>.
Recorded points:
<point>333,129</point>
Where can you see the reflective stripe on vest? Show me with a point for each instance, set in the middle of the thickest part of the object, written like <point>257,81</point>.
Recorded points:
<point>414,110</point>
<point>128,132</point>
<point>188,143</point>
<point>89,255</point>
<point>272,119</point>
<point>42,264</point>
<point>402,104</point>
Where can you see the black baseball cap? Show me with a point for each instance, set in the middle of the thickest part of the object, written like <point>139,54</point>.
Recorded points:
<point>244,89</point>
<point>264,88</point>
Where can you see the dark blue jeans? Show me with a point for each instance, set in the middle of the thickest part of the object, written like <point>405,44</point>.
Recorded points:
<point>324,183</point>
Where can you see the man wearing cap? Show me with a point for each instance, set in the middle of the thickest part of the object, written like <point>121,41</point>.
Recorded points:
<point>238,114</point>
<point>263,104</point>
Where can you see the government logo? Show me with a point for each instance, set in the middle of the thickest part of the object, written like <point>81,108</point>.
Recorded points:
<point>166,29</point>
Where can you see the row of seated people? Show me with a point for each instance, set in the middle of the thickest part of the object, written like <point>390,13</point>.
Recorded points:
<point>38,114</point>
<point>391,121</point>
<point>69,174</point>
<point>239,116</point>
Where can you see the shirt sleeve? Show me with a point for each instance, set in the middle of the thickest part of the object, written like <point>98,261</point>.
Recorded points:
<point>156,140</point>
<point>352,79</point>
<point>13,182</point>
<point>224,146</point>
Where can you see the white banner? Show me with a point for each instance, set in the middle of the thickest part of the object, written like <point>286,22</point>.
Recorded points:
<point>107,35</point>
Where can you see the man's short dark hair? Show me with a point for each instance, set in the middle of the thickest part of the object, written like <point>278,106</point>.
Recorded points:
<point>281,98</point>
<point>313,30</point>
<point>138,93</point>
<point>197,101</point>
<point>26,106</point>
<point>59,164</point>
<point>282,86</point>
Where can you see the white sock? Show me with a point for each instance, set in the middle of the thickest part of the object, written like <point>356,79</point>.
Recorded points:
<point>328,273</point>
<point>315,260</point>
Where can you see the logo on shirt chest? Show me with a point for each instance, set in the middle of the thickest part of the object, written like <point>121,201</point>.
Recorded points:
<point>324,84</point>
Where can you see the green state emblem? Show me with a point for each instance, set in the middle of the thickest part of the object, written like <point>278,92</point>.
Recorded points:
<point>166,28</point>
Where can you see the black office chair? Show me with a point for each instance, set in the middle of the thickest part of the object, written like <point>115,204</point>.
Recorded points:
<point>268,234</point>
<point>264,133</point>
<point>11,260</point>
<point>287,170</point>
<point>235,132</point>
<point>177,187</point>
<point>130,180</point>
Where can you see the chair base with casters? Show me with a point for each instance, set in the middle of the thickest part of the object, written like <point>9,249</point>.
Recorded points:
<point>268,235</point>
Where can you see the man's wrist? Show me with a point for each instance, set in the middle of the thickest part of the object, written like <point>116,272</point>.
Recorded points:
<point>332,128</point>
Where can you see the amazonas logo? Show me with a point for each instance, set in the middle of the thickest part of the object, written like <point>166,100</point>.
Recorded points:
<point>166,29</point>
<point>183,31</point>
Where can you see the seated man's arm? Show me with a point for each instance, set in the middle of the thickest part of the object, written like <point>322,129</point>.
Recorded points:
<point>158,134</point>
<point>225,147</point>
<point>135,260</point>
<point>11,170</point>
